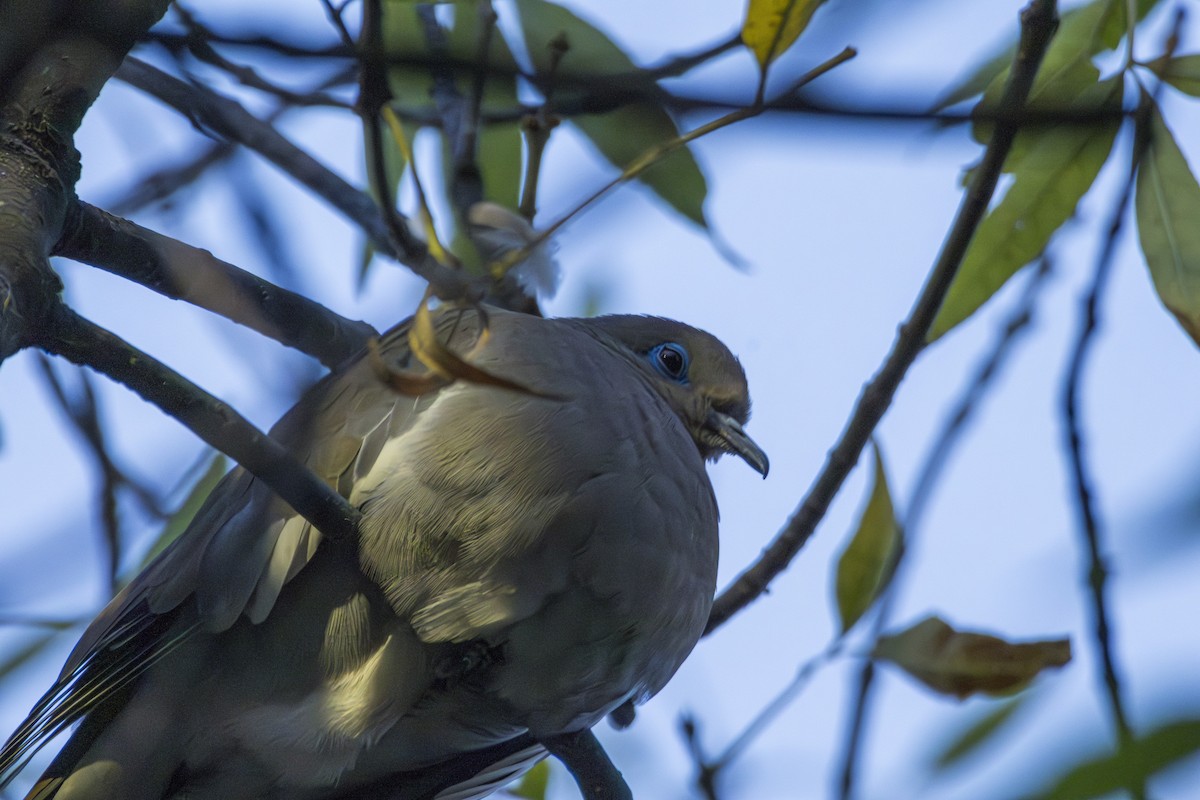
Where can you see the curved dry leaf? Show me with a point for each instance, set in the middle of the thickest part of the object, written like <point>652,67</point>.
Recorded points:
<point>443,362</point>
<point>963,663</point>
<point>405,382</point>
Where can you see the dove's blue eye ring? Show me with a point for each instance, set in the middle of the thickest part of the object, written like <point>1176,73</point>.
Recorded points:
<point>671,361</point>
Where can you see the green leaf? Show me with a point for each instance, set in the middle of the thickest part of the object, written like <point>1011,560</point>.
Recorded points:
<point>963,663</point>
<point>191,504</point>
<point>590,52</point>
<point>627,132</point>
<point>499,160</point>
<point>498,144</point>
<point>772,26</point>
<point>1168,211</point>
<point>1145,756</point>
<point>1083,32</point>
<point>533,784</point>
<point>980,731</point>
<point>1053,168</point>
<point>1182,72</point>
<point>867,564</point>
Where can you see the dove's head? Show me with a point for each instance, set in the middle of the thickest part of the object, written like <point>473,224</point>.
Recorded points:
<point>700,378</point>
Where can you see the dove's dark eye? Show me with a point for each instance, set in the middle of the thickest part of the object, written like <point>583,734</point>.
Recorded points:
<point>671,361</point>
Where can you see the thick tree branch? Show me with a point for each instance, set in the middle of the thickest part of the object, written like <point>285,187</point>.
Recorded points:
<point>1038,22</point>
<point>183,272</point>
<point>589,765</point>
<point>75,338</point>
<point>46,86</point>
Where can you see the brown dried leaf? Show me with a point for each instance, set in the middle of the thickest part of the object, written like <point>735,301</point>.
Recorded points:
<point>448,365</point>
<point>412,384</point>
<point>961,663</point>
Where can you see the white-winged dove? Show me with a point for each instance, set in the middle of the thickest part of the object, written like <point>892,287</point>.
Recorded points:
<point>526,562</point>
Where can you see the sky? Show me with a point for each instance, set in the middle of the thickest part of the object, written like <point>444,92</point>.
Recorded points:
<point>836,226</point>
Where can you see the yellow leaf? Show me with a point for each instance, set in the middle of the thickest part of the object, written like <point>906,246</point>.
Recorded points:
<point>771,26</point>
<point>866,565</point>
<point>963,663</point>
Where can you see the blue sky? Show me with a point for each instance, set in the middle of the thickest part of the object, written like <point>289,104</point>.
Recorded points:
<point>837,224</point>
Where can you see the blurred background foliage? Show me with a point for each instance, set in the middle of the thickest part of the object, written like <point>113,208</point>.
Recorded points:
<point>542,108</point>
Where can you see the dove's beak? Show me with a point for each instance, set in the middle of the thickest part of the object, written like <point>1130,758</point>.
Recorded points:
<point>732,439</point>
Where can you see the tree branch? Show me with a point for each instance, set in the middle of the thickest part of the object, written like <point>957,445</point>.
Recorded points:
<point>67,334</point>
<point>1038,22</point>
<point>1090,532</point>
<point>931,470</point>
<point>226,118</point>
<point>47,85</point>
<point>187,273</point>
<point>589,765</point>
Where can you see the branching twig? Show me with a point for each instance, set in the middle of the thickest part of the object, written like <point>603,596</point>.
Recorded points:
<point>587,762</point>
<point>1085,504</point>
<point>454,111</point>
<point>228,119</point>
<point>931,470</point>
<point>183,272</point>
<point>67,334</point>
<point>198,44</point>
<point>655,154</point>
<point>80,410</point>
<point>709,770</point>
<point>338,22</point>
<point>1038,22</point>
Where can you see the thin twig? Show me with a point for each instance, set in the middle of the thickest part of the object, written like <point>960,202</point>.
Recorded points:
<point>164,182</point>
<point>706,777</point>
<point>709,770</point>
<point>198,44</point>
<point>228,119</point>
<point>537,125</point>
<point>931,470</point>
<point>1038,22</point>
<point>466,151</point>
<point>655,154</point>
<point>339,23</point>
<point>67,334</point>
<point>679,64</point>
<point>1090,526</point>
<point>589,765</point>
<point>80,410</point>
